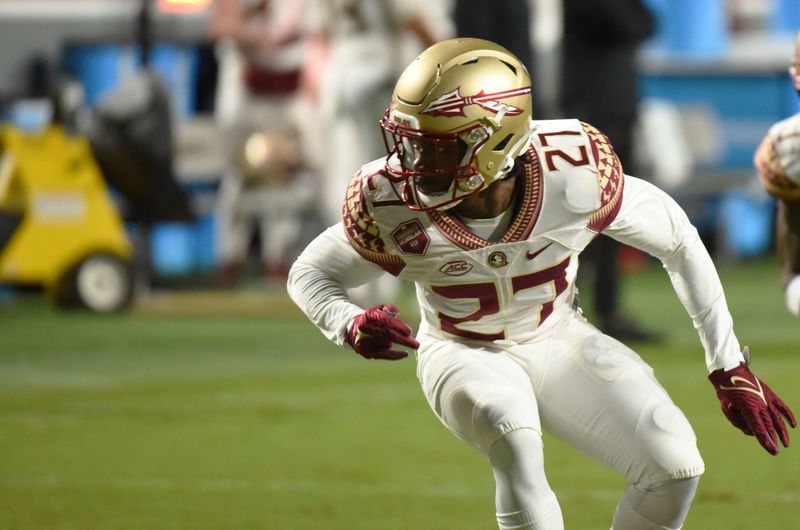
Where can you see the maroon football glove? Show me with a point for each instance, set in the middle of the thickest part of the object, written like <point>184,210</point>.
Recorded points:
<point>752,406</point>
<point>375,330</point>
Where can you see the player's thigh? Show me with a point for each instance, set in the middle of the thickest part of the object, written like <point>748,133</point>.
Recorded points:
<point>601,397</point>
<point>479,394</point>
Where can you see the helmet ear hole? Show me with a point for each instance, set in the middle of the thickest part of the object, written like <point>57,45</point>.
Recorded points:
<point>503,143</point>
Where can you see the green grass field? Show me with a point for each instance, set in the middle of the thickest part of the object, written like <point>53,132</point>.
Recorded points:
<point>254,421</point>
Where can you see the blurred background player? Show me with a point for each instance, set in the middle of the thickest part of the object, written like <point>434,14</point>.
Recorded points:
<point>366,43</point>
<point>599,84</point>
<point>486,211</point>
<point>778,163</point>
<point>361,46</point>
<point>271,194</point>
<point>261,54</point>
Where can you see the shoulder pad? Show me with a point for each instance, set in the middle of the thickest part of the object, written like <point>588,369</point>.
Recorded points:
<point>565,156</point>
<point>582,159</point>
<point>363,232</point>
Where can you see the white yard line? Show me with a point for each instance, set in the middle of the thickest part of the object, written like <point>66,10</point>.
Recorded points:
<point>319,487</point>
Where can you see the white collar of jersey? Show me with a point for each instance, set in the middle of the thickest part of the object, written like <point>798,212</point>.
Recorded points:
<point>505,215</point>
<point>490,228</point>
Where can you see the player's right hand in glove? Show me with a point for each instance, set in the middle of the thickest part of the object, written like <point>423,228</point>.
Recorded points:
<point>372,333</point>
<point>752,406</point>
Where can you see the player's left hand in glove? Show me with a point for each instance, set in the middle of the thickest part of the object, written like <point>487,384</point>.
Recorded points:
<point>373,332</point>
<point>752,406</point>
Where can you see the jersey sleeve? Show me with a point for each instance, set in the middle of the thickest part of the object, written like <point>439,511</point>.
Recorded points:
<point>778,160</point>
<point>610,177</point>
<point>363,232</point>
<point>319,277</point>
<point>650,220</point>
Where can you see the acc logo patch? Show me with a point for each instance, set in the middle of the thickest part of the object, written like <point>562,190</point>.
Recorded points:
<point>497,259</point>
<point>411,238</point>
<point>456,268</point>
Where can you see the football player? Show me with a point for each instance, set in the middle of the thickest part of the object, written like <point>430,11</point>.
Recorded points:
<point>778,163</point>
<point>270,192</point>
<point>487,211</point>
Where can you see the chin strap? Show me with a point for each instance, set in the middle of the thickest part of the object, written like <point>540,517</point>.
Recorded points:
<point>520,146</point>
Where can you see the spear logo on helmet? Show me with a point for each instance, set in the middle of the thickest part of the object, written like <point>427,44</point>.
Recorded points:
<point>453,103</point>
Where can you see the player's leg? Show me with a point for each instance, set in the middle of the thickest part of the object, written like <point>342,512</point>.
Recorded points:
<point>656,506</point>
<point>601,397</point>
<point>233,230</point>
<point>523,497</point>
<point>280,226</point>
<point>487,400</point>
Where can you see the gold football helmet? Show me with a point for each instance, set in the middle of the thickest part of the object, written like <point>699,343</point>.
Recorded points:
<point>460,114</point>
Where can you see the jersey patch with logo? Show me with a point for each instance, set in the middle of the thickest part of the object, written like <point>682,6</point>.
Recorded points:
<point>456,268</point>
<point>411,238</point>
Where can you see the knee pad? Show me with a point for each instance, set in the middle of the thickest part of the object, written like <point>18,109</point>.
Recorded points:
<point>518,452</point>
<point>483,417</point>
<point>669,446</point>
<point>479,394</point>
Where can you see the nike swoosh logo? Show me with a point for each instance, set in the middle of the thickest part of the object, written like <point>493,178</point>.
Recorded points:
<point>531,255</point>
<point>753,388</point>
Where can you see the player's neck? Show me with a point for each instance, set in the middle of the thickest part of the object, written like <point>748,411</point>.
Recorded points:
<point>491,202</point>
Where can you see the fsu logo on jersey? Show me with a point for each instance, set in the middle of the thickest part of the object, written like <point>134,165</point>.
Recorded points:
<point>456,268</point>
<point>453,103</point>
<point>497,259</point>
<point>411,238</point>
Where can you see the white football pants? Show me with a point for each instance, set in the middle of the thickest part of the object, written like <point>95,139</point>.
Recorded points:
<point>584,387</point>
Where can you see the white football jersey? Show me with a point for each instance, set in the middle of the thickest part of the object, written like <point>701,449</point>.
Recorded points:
<point>511,290</point>
<point>778,159</point>
<point>472,288</point>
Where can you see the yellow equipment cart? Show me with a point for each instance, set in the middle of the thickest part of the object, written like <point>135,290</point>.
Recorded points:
<point>59,227</point>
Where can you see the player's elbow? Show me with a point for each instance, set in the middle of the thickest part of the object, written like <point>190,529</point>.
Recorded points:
<point>684,239</point>
<point>297,278</point>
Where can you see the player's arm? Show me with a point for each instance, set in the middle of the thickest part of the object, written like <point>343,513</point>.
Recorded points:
<point>319,278</point>
<point>650,220</point>
<point>317,283</point>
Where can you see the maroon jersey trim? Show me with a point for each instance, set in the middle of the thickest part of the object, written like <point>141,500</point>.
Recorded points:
<point>524,220</point>
<point>610,177</point>
<point>363,232</point>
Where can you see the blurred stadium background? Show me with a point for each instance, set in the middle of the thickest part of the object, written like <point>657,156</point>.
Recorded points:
<point>194,394</point>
